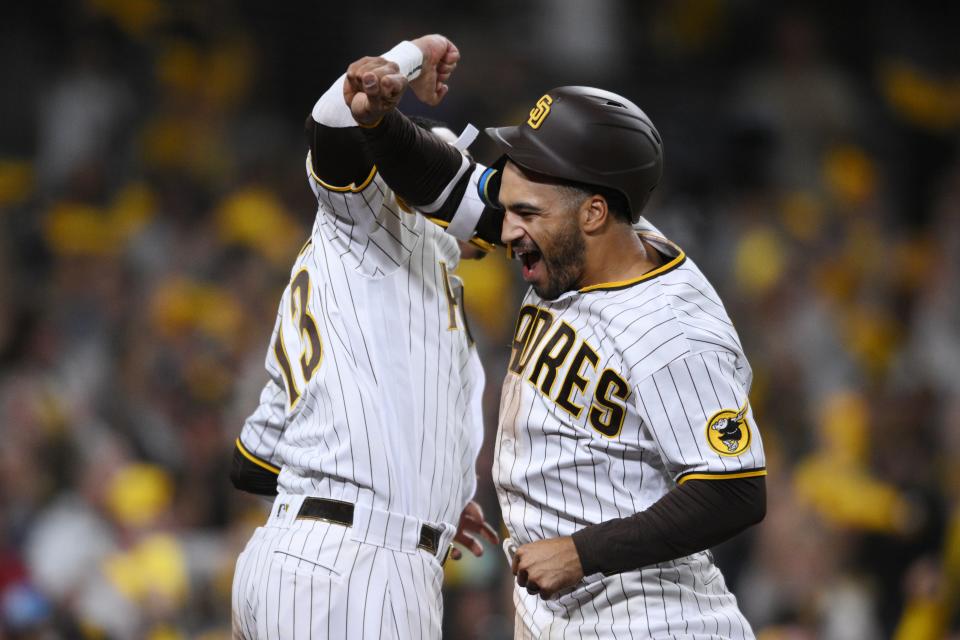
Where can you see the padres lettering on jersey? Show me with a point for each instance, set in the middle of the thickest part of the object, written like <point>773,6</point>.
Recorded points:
<point>615,394</point>
<point>536,333</point>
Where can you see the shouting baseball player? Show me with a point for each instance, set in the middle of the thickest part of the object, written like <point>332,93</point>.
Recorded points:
<point>370,423</point>
<point>627,446</point>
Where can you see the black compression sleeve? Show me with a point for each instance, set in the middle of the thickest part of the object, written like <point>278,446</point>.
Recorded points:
<point>250,477</point>
<point>692,517</point>
<point>338,155</point>
<point>418,166</point>
<point>414,162</point>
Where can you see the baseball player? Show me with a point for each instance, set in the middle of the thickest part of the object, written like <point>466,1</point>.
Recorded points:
<point>369,425</point>
<point>627,446</point>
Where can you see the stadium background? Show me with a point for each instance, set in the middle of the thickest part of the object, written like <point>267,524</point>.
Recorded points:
<point>152,198</point>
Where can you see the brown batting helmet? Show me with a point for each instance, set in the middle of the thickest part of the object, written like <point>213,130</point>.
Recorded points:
<point>590,136</point>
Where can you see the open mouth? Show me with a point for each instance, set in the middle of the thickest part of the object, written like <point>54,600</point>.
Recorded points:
<point>531,259</point>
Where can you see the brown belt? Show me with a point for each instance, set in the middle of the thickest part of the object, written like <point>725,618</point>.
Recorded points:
<point>339,512</point>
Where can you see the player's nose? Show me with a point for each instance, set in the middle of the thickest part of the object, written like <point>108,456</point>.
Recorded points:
<point>511,231</point>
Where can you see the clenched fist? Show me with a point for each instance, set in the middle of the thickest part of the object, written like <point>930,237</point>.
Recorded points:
<point>547,566</point>
<point>374,85</point>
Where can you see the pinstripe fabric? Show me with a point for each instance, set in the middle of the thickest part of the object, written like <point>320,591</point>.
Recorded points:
<point>396,389</point>
<point>563,461</point>
<point>388,418</point>
<point>311,580</point>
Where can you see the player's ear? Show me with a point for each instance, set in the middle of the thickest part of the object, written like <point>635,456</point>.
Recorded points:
<point>594,213</point>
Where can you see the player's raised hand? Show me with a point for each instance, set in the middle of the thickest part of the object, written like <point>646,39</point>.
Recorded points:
<point>440,58</point>
<point>547,566</point>
<point>373,87</point>
<point>471,525</point>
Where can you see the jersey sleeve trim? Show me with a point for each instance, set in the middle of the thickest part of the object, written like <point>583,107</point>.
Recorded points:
<point>482,244</point>
<point>353,187</point>
<point>255,460</point>
<point>372,125</point>
<point>479,243</point>
<point>720,475</point>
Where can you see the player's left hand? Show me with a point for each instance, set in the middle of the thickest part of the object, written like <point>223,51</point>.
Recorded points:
<point>472,524</point>
<point>547,566</point>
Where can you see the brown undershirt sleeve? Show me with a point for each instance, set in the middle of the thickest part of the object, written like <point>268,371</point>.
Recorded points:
<point>692,517</point>
<point>414,162</point>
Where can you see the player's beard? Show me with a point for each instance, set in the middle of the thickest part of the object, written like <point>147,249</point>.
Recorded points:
<point>564,259</point>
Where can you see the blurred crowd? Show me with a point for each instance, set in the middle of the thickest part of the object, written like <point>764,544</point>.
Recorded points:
<point>152,200</point>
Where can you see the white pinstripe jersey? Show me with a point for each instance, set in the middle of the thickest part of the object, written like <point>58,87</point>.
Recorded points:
<point>614,394</point>
<point>374,389</point>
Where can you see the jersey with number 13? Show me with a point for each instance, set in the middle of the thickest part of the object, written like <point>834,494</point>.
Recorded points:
<point>375,385</point>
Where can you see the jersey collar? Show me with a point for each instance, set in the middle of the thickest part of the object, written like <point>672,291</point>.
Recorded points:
<point>672,264</point>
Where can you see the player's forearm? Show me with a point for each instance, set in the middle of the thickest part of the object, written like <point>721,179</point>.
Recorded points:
<point>338,154</point>
<point>434,176</point>
<point>416,164</point>
<point>692,517</point>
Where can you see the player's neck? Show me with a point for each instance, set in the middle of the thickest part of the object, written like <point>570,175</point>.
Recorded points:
<point>617,256</point>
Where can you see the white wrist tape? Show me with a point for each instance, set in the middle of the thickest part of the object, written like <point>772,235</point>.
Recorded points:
<point>331,110</point>
<point>408,57</point>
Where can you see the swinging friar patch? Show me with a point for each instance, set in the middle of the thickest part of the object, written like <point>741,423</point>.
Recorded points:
<point>728,431</point>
